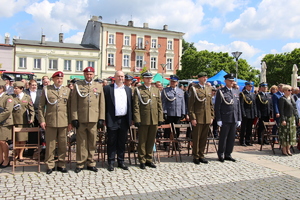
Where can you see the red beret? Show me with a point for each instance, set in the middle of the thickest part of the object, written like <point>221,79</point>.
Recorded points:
<point>89,69</point>
<point>59,74</point>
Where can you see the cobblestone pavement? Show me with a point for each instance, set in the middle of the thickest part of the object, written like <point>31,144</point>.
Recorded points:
<point>255,175</point>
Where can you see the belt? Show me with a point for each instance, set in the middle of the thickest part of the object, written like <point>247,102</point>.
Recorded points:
<point>118,117</point>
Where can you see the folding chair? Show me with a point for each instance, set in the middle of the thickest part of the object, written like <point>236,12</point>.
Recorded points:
<point>71,141</point>
<point>132,143</point>
<point>101,145</point>
<point>184,139</point>
<point>209,138</point>
<point>26,146</point>
<point>268,135</point>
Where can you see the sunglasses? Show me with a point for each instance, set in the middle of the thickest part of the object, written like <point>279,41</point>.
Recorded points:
<point>289,90</point>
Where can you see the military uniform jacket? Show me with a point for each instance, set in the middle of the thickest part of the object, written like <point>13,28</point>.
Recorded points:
<point>263,104</point>
<point>151,113</point>
<point>25,112</point>
<point>201,107</point>
<point>88,103</point>
<point>55,110</point>
<point>6,103</point>
<point>248,104</point>
<point>227,106</point>
<point>173,102</point>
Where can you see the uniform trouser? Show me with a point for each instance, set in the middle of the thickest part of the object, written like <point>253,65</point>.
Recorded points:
<point>261,126</point>
<point>246,130</point>
<point>52,136</point>
<point>199,135</point>
<point>226,139</point>
<point>86,144</point>
<point>147,135</point>
<point>116,141</point>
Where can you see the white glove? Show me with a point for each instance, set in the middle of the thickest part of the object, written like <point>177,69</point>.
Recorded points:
<point>238,123</point>
<point>219,123</point>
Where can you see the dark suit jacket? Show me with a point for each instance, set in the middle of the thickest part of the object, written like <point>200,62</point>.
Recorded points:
<point>36,102</point>
<point>287,108</point>
<point>227,113</point>
<point>249,111</point>
<point>110,118</point>
<point>264,104</point>
<point>275,99</point>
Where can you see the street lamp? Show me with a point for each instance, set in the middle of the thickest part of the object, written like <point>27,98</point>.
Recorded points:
<point>236,55</point>
<point>163,66</point>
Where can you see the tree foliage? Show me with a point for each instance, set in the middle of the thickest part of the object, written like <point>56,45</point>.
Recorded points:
<point>193,62</point>
<point>280,66</point>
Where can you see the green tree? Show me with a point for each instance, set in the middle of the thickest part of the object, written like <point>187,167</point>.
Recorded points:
<point>186,45</point>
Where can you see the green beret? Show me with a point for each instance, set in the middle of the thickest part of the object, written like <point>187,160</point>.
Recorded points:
<point>201,74</point>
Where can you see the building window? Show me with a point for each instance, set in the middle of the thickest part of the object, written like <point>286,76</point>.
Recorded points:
<point>52,63</point>
<point>126,61</point>
<point>126,41</point>
<point>91,64</point>
<point>22,63</point>
<point>153,63</point>
<point>111,39</point>
<point>79,65</point>
<point>111,60</point>
<point>67,65</point>
<point>139,61</point>
<point>37,63</point>
<point>170,45</point>
<point>153,43</point>
<point>140,43</point>
<point>169,64</point>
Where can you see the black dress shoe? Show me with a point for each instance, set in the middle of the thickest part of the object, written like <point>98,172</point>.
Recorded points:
<point>230,158</point>
<point>243,144</point>
<point>62,169</point>
<point>249,144</point>
<point>203,160</point>
<point>94,169</point>
<point>142,166</point>
<point>110,167</point>
<point>49,171</point>
<point>150,164</point>
<point>77,170</point>
<point>122,166</point>
<point>196,161</point>
<point>221,159</point>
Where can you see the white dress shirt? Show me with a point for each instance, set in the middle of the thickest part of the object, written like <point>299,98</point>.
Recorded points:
<point>120,100</point>
<point>32,95</point>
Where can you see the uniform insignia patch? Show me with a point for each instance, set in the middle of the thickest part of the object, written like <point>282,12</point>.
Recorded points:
<point>24,101</point>
<point>9,100</point>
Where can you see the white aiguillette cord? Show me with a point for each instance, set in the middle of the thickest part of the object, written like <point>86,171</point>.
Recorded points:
<point>141,100</point>
<point>46,95</point>
<point>204,99</point>
<point>79,93</point>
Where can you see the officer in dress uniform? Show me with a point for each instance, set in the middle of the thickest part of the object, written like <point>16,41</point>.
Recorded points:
<point>249,112</point>
<point>201,113</point>
<point>264,109</point>
<point>54,118</point>
<point>128,80</point>
<point>147,114</point>
<point>228,116</point>
<point>173,104</point>
<point>88,114</point>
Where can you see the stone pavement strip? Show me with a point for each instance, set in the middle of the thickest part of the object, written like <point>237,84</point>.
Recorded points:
<point>255,175</point>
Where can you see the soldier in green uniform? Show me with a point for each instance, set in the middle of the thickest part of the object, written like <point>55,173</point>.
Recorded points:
<point>55,120</point>
<point>201,113</point>
<point>88,114</point>
<point>147,114</point>
<point>23,114</point>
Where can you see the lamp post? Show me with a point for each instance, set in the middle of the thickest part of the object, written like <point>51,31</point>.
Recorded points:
<point>236,55</point>
<point>163,66</point>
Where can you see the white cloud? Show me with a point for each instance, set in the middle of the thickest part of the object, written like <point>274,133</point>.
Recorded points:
<point>224,6</point>
<point>276,19</point>
<point>248,50</point>
<point>290,47</point>
<point>9,7</point>
<point>74,38</point>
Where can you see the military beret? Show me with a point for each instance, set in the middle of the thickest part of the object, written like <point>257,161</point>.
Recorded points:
<point>2,82</point>
<point>59,74</point>
<point>19,84</point>
<point>174,78</point>
<point>218,85</point>
<point>128,77</point>
<point>147,75</point>
<point>229,77</point>
<point>201,74</point>
<point>89,69</point>
<point>249,83</point>
<point>263,84</point>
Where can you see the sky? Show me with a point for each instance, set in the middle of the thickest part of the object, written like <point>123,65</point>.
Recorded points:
<point>253,27</point>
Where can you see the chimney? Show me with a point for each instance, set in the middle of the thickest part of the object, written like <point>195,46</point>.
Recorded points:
<point>130,23</point>
<point>165,27</point>
<point>43,39</point>
<point>61,37</point>
<point>7,39</point>
<point>146,25</point>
